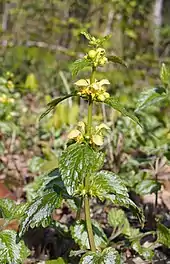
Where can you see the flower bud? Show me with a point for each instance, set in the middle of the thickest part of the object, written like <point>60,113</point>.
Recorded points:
<point>101,97</point>
<point>103,61</point>
<point>106,95</point>
<point>91,54</point>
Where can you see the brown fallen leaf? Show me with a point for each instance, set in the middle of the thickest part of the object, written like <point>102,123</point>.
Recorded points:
<point>5,192</point>
<point>12,225</point>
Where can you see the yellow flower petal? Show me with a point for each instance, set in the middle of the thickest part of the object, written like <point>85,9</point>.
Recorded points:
<point>73,134</point>
<point>82,82</point>
<point>104,82</point>
<point>97,140</point>
<point>102,126</point>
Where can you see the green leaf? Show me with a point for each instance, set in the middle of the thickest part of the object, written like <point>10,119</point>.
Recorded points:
<point>78,161</point>
<point>57,261</point>
<point>106,182</point>
<point>163,235</point>
<point>79,65</point>
<point>150,97</point>
<point>7,208</point>
<point>147,186</point>
<point>91,258</point>
<point>80,235</point>
<point>117,59</point>
<point>51,105</point>
<point>114,103</point>
<point>108,256</point>
<point>117,219</point>
<point>147,253</point>
<point>107,185</point>
<point>87,35</point>
<point>125,201</point>
<point>164,74</point>
<point>39,211</point>
<point>11,252</point>
<point>95,42</point>
<point>10,210</point>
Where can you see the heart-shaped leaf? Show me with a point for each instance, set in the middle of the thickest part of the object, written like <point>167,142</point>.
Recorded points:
<point>76,162</point>
<point>10,252</point>
<point>80,235</point>
<point>108,256</point>
<point>39,211</point>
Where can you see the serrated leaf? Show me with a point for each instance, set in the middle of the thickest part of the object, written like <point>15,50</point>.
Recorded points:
<point>106,182</point>
<point>80,235</point>
<point>87,35</point>
<point>163,235</point>
<point>10,210</point>
<point>114,103</point>
<point>150,97</point>
<point>39,212</point>
<point>117,219</point>
<point>107,185</point>
<point>79,65</point>
<point>14,253</point>
<point>117,59</point>
<point>164,74</point>
<point>90,258</point>
<point>108,256</point>
<point>54,181</point>
<point>51,105</point>
<point>125,201</point>
<point>7,207</point>
<point>147,253</point>
<point>78,161</point>
<point>147,186</point>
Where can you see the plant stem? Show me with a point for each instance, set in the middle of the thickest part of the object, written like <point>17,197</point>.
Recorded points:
<point>89,224</point>
<point>90,106</point>
<point>89,120</point>
<point>86,198</point>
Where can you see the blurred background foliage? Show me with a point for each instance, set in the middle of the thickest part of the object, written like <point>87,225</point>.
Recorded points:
<point>40,39</point>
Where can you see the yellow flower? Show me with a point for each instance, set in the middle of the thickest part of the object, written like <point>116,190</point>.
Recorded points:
<point>4,99</point>
<point>95,89</point>
<point>73,134</point>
